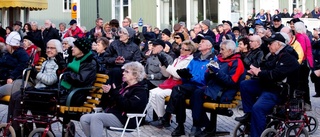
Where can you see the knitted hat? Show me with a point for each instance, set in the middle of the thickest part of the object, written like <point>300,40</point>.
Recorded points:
<point>128,30</point>
<point>181,36</point>
<point>83,44</point>
<point>159,42</point>
<point>167,32</point>
<point>13,39</point>
<point>206,22</point>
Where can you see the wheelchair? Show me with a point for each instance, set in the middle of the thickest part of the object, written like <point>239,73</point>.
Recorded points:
<point>287,119</point>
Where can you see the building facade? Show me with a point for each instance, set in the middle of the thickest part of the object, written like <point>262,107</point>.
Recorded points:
<point>162,13</point>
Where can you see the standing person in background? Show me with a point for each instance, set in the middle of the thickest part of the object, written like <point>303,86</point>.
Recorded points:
<point>316,12</point>
<point>298,14</point>
<point>307,62</point>
<point>285,13</point>
<point>35,35</point>
<point>17,26</point>
<point>62,29</point>
<point>295,11</point>
<point>48,33</point>
<point>261,17</point>
<point>74,30</point>
<point>242,27</point>
<point>126,22</point>
<point>157,32</point>
<point>138,37</point>
<point>269,18</point>
<point>315,75</point>
<point>26,28</point>
<point>97,31</point>
<point>249,22</point>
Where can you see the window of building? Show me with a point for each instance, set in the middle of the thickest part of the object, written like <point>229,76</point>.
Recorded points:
<point>66,5</point>
<point>121,9</point>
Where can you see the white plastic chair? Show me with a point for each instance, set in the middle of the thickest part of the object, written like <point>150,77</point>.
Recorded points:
<point>129,115</point>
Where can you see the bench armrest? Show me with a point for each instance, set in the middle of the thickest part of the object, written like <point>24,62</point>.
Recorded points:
<point>74,91</point>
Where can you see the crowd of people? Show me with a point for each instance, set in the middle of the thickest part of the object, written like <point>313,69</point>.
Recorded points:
<point>196,64</point>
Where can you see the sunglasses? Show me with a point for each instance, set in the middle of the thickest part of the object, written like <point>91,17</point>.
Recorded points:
<point>177,38</point>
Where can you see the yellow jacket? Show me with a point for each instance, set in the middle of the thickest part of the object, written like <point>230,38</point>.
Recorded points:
<point>297,47</point>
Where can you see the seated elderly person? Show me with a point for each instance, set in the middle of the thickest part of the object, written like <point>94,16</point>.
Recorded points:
<point>46,78</point>
<point>131,97</point>
<point>224,75</point>
<point>12,63</point>
<point>281,64</point>
<point>255,55</point>
<point>67,44</point>
<point>157,95</point>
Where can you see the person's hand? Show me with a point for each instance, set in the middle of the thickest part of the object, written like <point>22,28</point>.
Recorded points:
<point>317,72</point>
<point>184,73</point>
<point>107,88</point>
<point>255,71</point>
<point>9,81</point>
<point>214,68</point>
<point>119,60</point>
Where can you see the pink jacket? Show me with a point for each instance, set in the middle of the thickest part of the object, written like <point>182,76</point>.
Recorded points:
<point>306,47</point>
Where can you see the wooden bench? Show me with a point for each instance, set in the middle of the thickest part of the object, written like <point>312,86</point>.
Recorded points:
<point>215,108</point>
<point>69,112</point>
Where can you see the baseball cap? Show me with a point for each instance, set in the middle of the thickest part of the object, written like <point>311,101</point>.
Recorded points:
<point>294,20</point>
<point>227,21</point>
<point>72,22</point>
<point>276,17</point>
<point>201,37</point>
<point>274,37</point>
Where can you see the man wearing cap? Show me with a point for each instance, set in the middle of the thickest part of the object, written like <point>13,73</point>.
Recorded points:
<point>227,25</point>
<point>17,26</point>
<point>12,63</point>
<point>138,37</point>
<point>121,51</point>
<point>277,24</point>
<point>193,78</point>
<point>74,30</point>
<point>97,31</point>
<point>155,61</point>
<point>280,65</point>
<point>223,75</point>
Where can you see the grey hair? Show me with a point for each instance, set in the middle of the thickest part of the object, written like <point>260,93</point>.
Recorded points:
<point>57,43</point>
<point>257,38</point>
<point>300,27</point>
<point>70,41</point>
<point>63,24</point>
<point>136,68</point>
<point>229,45</point>
<point>286,37</point>
<point>34,23</point>
<point>262,30</point>
<point>30,42</point>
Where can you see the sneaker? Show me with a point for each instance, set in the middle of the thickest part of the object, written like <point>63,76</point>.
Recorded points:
<point>307,107</point>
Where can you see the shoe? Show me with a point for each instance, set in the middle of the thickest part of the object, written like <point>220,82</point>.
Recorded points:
<point>307,107</point>
<point>206,133</point>
<point>195,131</point>
<point>160,123</point>
<point>179,131</point>
<point>316,95</point>
<point>245,118</point>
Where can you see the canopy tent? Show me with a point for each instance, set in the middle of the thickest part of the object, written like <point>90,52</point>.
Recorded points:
<point>30,4</point>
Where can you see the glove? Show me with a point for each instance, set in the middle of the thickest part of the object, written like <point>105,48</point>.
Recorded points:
<point>213,66</point>
<point>184,73</point>
<point>60,61</point>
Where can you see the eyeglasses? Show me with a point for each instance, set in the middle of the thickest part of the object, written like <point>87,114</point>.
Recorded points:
<point>123,33</point>
<point>51,48</point>
<point>177,38</point>
<point>64,43</point>
<point>185,49</point>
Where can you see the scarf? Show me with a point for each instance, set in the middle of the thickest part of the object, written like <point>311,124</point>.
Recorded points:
<point>74,66</point>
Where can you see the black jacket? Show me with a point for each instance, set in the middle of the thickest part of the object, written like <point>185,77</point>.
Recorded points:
<point>101,62</point>
<point>316,54</point>
<point>130,51</point>
<point>132,99</point>
<point>93,30</point>
<point>36,38</point>
<point>254,57</point>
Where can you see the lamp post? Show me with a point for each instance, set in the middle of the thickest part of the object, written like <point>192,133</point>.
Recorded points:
<point>98,9</point>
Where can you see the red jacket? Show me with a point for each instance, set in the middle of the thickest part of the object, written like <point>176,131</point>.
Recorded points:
<point>77,33</point>
<point>36,56</point>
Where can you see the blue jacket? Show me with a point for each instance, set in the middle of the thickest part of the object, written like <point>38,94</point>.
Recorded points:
<point>198,68</point>
<point>14,63</point>
<point>227,79</point>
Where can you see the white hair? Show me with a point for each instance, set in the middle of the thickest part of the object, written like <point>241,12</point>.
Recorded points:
<point>300,27</point>
<point>286,37</point>
<point>70,41</point>
<point>229,45</point>
<point>137,69</point>
<point>57,43</point>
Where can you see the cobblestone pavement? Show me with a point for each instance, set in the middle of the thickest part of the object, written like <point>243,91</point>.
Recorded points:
<point>224,123</point>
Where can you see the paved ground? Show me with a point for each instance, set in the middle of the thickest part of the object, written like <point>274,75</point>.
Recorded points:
<point>224,123</point>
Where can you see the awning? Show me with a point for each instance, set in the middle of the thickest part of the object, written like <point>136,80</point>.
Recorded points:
<point>31,4</point>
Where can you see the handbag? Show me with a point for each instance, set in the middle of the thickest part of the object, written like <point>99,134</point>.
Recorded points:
<point>170,83</point>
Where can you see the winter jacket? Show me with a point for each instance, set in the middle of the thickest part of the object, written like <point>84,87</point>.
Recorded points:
<point>178,63</point>
<point>148,35</point>
<point>101,62</point>
<point>93,30</point>
<point>278,67</point>
<point>12,65</point>
<point>76,33</point>
<point>152,67</point>
<point>297,47</point>
<point>47,75</point>
<point>217,46</point>
<point>254,57</point>
<point>197,67</point>
<point>130,51</point>
<point>227,79</point>
<point>315,14</point>
<point>36,38</point>
<point>36,56</point>
<point>274,30</point>
<point>316,54</point>
<point>48,34</point>
<point>132,99</point>
<point>307,48</point>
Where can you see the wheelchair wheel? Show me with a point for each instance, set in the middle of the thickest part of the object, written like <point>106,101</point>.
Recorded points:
<point>38,132</point>
<point>274,124</point>
<point>242,130</point>
<point>312,125</point>
<point>293,131</point>
<point>269,132</point>
<point>4,132</point>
